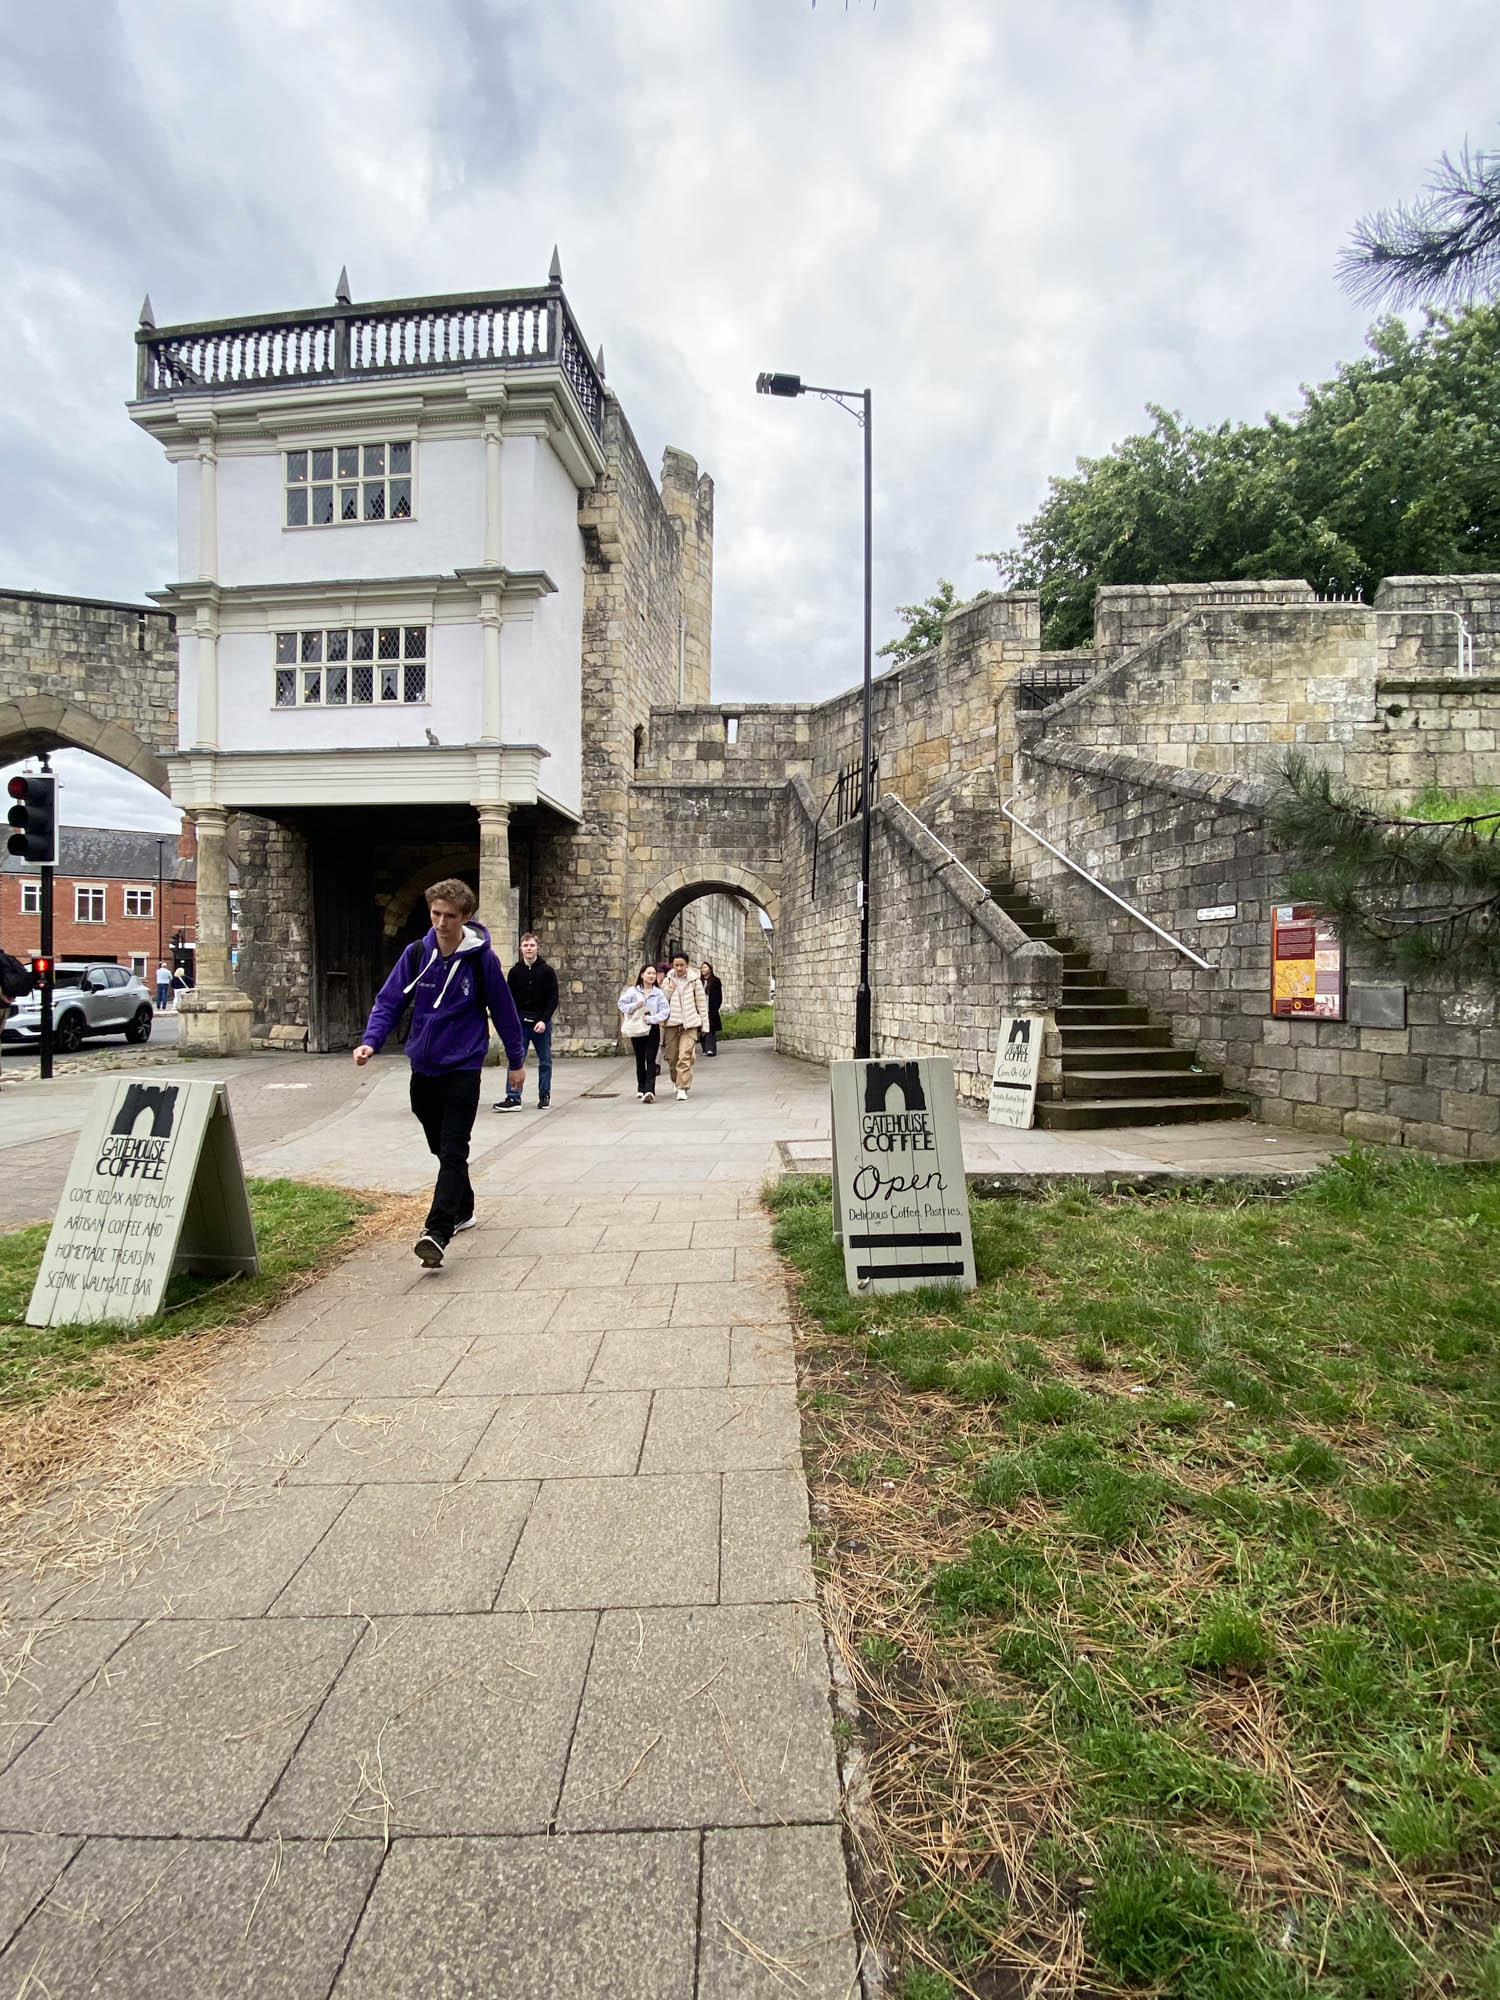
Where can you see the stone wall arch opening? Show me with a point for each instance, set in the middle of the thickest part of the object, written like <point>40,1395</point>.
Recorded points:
<point>712,914</point>
<point>30,724</point>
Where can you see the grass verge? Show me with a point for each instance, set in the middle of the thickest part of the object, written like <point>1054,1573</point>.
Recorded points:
<point>298,1228</point>
<point>1167,1564</point>
<point>748,1023</point>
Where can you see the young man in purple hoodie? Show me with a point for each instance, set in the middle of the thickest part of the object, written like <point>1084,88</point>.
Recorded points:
<point>456,987</point>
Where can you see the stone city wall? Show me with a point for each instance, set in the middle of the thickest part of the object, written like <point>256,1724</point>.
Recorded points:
<point>97,676</point>
<point>945,961</point>
<point>1172,842</point>
<point>1232,690</point>
<point>275,963</point>
<point>714,928</point>
<point>647,598</point>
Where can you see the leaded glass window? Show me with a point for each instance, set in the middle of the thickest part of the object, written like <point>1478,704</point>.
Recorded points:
<point>331,485</point>
<point>351,667</point>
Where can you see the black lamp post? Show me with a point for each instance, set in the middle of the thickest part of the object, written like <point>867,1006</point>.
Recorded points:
<point>857,403</point>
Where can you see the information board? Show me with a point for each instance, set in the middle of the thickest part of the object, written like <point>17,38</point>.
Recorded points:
<point>1018,1062</point>
<point>156,1186</point>
<point>901,1203</point>
<point>1307,963</point>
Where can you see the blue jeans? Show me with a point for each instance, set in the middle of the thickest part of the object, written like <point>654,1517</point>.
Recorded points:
<point>542,1043</point>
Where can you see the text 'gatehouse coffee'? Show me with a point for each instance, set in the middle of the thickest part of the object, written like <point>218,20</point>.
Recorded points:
<point>901,1205</point>
<point>155,1186</point>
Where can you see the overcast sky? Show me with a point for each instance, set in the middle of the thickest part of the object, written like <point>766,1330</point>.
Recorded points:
<point>1017,223</point>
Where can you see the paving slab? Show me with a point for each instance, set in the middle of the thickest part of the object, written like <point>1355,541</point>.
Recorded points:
<point>722,1430</point>
<point>461,1274</point>
<point>582,1268</point>
<point>184,1734</point>
<point>653,1357</point>
<point>776,1915</point>
<point>210,1919</point>
<point>577,1919</point>
<point>609,1308</point>
<point>562,1437</point>
<point>552,1240</point>
<point>382,1439</point>
<point>216,1553</point>
<point>724,1232</point>
<point>685,1267</point>
<point>270,1438</point>
<point>760,1354</point>
<point>412,1548</point>
<point>524,1364</point>
<point>264,1369</point>
<point>359,1368</point>
<point>746,1304</point>
<point>711,1717</point>
<point>43,1673</point>
<point>30,1863</point>
<point>764,1557</point>
<point>442,1725</point>
<point>370,1316</point>
<point>629,1234</point>
<point>631,1541</point>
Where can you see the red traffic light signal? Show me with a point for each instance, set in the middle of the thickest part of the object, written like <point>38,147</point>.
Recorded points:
<point>41,968</point>
<point>34,816</point>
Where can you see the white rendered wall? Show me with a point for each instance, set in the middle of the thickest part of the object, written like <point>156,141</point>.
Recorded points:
<point>189,486</point>
<point>541,665</point>
<point>187,688</point>
<point>249,720</point>
<point>445,531</point>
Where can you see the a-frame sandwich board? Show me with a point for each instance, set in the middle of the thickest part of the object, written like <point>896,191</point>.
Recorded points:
<point>155,1186</point>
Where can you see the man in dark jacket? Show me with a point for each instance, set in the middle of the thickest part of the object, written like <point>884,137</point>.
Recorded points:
<point>533,987</point>
<point>456,988</point>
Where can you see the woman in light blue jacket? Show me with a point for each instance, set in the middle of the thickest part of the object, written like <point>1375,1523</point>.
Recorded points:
<point>643,1008</point>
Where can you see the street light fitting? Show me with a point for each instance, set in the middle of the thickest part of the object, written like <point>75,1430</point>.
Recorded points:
<point>778,385</point>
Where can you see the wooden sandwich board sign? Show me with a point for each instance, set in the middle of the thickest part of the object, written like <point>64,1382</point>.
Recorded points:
<point>900,1200</point>
<point>156,1186</point>
<point>1018,1063</point>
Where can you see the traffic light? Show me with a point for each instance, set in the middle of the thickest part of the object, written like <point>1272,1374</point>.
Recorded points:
<point>41,969</point>
<point>34,816</point>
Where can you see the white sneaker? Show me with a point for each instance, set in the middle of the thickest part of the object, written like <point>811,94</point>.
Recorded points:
<point>460,1227</point>
<point>648,1097</point>
<point>682,1097</point>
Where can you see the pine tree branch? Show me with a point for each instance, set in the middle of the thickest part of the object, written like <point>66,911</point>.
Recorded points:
<point>1443,248</point>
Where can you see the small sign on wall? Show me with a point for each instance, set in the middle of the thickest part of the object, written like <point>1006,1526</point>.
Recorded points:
<point>155,1187</point>
<point>901,1203</point>
<point>1018,1062</point>
<point>1307,963</point>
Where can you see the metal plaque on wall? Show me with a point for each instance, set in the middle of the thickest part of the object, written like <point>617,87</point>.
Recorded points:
<point>155,1187</point>
<point>901,1203</point>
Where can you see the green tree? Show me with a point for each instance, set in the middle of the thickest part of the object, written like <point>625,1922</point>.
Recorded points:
<point>924,623</point>
<point>1390,468</point>
<point>1442,248</point>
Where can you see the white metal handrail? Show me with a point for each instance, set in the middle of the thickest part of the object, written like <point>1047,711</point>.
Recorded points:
<point>1093,880</point>
<point>895,799</point>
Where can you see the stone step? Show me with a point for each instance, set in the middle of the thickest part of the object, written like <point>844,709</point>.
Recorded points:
<point>1095,1013</point>
<point>1079,1114</point>
<point>1141,1082</point>
<point>1083,993</point>
<point>1107,1038</point>
<point>1118,1054</point>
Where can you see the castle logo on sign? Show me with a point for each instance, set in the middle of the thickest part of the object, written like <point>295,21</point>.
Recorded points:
<point>901,1207</point>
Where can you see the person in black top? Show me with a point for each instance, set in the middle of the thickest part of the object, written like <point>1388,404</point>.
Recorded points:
<point>713,987</point>
<point>533,987</point>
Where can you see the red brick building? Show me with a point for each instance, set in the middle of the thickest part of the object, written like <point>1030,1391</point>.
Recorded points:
<point>130,897</point>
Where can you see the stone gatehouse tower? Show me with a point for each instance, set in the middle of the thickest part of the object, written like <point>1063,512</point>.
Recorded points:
<point>428,596</point>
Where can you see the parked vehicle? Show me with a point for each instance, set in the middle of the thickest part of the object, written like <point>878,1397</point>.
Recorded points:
<point>86,1000</point>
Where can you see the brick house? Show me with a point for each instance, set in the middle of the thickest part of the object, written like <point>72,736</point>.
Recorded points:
<point>130,897</point>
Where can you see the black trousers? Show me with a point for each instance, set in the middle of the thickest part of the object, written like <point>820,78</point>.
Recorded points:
<point>646,1047</point>
<point>446,1105</point>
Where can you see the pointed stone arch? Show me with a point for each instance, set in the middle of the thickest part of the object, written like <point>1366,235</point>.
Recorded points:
<point>666,898</point>
<point>30,723</point>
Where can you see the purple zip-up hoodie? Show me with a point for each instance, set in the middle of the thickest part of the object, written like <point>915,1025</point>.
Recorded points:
<point>450,1001</point>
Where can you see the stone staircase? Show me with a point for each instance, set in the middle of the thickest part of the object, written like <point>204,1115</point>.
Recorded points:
<point>1118,1068</point>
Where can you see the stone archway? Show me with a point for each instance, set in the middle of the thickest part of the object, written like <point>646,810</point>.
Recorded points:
<point>667,898</point>
<point>460,861</point>
<point>31,723</point>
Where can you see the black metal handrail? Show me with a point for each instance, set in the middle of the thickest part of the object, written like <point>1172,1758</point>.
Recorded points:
<point>516,329</point>
<point>848,789</point>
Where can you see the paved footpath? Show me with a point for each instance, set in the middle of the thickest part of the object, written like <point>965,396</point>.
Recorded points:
<point>482,1658</point>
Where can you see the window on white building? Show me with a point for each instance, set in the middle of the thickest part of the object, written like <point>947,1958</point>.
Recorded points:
<point>140,902</point>
<point>88,904</point>
<point>357,668</point>
<point>333,485</point>
<point>31,899</point>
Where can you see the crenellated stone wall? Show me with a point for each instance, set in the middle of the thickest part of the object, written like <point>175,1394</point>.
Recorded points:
<point>87,675</point>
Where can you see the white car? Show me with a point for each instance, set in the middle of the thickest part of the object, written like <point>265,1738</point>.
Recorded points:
<point>86,1000</point>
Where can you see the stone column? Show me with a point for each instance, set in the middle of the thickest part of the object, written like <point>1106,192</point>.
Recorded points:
<point>497,902</point>
<point>215,1018</point>
<point>492,488</point>
<point>208,511</point>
